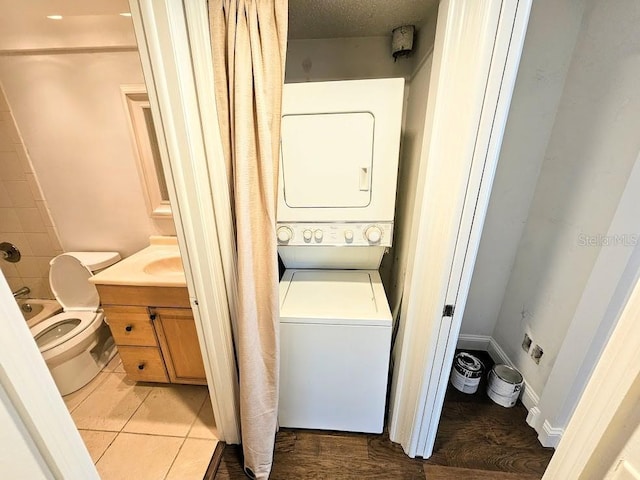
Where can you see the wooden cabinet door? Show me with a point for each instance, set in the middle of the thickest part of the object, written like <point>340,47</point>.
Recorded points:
<point>178,339</point>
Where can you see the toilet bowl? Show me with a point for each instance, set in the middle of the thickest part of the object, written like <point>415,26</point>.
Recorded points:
<point>76,343</point>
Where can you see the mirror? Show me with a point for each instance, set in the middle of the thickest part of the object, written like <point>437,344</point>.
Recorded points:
<point>145,143</point>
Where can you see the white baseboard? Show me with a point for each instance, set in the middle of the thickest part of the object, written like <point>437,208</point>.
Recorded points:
<point>533,418</point>
<point>474,342</point>
<point>548,435</point>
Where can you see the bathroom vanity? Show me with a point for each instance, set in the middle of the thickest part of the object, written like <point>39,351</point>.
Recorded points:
<point>155,333</point>
<point>147,308</point>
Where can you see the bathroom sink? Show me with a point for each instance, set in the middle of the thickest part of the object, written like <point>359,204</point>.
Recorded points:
<point>158,265</point>
<point>165,266</point>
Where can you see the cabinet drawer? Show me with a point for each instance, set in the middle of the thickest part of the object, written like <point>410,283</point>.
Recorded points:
<point>143,364</point>
<point>131,326</point>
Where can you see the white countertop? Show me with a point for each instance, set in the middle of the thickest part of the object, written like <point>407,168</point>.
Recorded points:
<point>138,269</point>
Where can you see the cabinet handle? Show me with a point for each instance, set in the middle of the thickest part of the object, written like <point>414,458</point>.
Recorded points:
<point>152,317</point>
<point>128,328</point>
<point>141,366</point>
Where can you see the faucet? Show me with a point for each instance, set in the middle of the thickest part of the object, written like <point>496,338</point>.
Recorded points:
<point>21,291</point>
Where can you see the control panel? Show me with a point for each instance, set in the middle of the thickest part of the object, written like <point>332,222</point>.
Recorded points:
<point>335,234</point>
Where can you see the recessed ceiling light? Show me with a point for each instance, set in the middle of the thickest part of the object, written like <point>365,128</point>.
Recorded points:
<point>54,17</point>
<point>125,14</point>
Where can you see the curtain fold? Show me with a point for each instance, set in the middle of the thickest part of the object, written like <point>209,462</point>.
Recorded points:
<point>249,40</point>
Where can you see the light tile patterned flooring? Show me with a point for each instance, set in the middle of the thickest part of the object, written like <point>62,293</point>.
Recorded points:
<point>144,431</point>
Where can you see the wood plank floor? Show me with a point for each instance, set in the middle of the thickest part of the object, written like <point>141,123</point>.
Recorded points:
<point>477,439</point>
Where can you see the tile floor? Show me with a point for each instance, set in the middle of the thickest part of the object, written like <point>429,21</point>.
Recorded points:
<point>145,431</point>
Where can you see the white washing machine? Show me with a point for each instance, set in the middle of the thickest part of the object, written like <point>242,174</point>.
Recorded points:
<point>335,336</point>
<point>338,170</point>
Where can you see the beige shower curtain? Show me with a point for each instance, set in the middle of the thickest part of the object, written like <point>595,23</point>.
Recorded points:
<point>249,39</point>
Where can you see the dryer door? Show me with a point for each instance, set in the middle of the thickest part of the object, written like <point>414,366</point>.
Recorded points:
<point>339,150</point>
<point>327,159</point>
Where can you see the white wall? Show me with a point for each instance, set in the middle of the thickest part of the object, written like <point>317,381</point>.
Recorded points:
<point>410,162</point>
<point>549,44</point>
<point>62,81</point>
<point>607,291</point>
<point>69,110</point>
<point>343,59</point>
<point>593,146</point>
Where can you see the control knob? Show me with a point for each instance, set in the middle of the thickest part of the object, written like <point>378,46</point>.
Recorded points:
<point>373,234</point>
<point>318,235</point>
<point>284,234</point>
<point>307,234</point>
<point>348,236</point>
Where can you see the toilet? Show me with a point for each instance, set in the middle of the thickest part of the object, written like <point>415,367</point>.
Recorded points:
<point>76,343</point>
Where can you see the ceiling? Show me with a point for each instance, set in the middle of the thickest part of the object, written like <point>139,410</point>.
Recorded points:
<point>86,23</point>
<point>355,18</point>
<point>24,22</point>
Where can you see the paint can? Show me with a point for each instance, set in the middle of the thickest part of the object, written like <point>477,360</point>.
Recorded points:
<point>466,372</point>
<point>504,386</point>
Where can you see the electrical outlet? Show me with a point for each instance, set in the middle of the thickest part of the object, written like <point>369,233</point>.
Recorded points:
<point>526,343</point>
<point>536,353</point>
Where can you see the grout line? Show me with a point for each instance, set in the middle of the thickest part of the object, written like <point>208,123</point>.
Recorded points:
<point>121,430</point>
<point>135,411</point>
<point>106,377</point>
<point>108,446</point>
<point>98,430</point>
<point>118,432</point>
<point>90,391</point>
<point>184,439</point>
<point>195,419</point>
<point>146,434</point>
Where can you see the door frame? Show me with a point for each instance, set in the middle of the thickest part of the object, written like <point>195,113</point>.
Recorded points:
<point>175,51</point>
<point>31,397</point>
<point>25,379</point>
<point>459,157</point>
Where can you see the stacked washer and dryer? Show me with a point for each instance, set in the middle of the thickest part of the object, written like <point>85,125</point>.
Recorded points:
<point>338,169</point>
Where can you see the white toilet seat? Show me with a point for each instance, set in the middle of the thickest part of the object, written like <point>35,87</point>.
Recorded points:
<point>89,322</point>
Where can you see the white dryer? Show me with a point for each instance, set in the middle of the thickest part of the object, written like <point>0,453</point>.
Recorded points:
<point>336,199</point>
<point>339,150</point>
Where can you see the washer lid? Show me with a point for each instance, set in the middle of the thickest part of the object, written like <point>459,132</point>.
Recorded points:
<point>336,297</point>
<point>69,280</point>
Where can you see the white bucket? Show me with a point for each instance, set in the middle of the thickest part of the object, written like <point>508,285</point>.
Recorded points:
<point>505,385</point>
<point>466,372</point>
